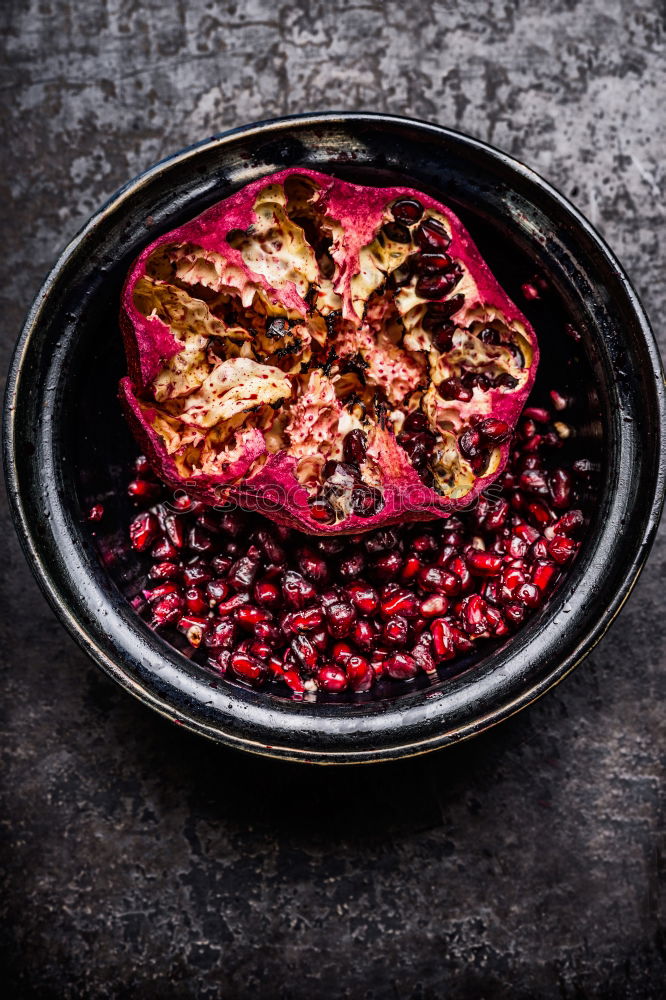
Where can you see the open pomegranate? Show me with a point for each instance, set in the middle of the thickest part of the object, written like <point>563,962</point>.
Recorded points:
<point>339,357</point>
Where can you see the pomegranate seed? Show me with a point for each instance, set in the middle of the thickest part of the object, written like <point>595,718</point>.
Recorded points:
<point>401,667</point>
<point>143,531</point>
<point>442,639</point>
<point>161,590</point>
<point>411,568</point>
<point>232,604</point>
<point>332,679</point>
<point>221,635</point>
<point>354,447</point>
<point>364,634</point>
<point>243,572</point>
<point>217,590</point>
<point>267,594</point>
<point>305,653</point>
<point>247,667</point>
<point>422,653</point>
<point>340,617</point>
<point>424,544</point>
<point>260,649</point>
<point>384,540</point>
<point>318,638</point>
<point>359,673</point>
<point>543,574</point>
<point>561,484</point>
<point>307,620</point>
<point>313,566</point>
<point>194,628</point>
<point>195,600</point>
<point>539,513</point>
<point>143,490</point>
<point>96,513</point>
<point>403,602</point>
<point>267,631</point>
<point>168,609</point>
<point>364,598</point>
<point>248,616</point>
<point>432,235</point>
<point>569,523</point>
<point>270,546</point>
<point>459,568</point>
<point>407,210</point>
<point>559,401</point>
<point>142,466</point>
<point>163,550</point>
<point>534,481</point>
<point>297,591</point>
<point>515,613</point>
<point>220,565</point>
<point>387,567</point>
<point>562,548</point>
<point>473,615</point>
<point>395,631</point>
<point>484,563</point>
<point>493,430</point>
<point>352,566</point>
<point>341,652</point>
<point>165,571</point>
<point>434,605</point>
<point>529,594</point>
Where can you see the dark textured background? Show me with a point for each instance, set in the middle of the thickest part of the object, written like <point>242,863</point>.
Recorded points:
<point>142,862</point>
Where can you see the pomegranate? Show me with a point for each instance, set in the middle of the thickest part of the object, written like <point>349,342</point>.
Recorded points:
<point>335,356</point>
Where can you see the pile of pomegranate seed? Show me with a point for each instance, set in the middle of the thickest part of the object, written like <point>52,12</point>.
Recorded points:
<point>256,602</point>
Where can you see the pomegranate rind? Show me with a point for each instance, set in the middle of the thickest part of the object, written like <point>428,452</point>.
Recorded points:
<point>268,482</point>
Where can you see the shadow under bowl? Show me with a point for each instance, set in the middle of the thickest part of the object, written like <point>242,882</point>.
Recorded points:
<point>66,444</point>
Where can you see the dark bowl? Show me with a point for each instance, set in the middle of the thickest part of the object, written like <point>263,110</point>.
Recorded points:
<point>66,445</point>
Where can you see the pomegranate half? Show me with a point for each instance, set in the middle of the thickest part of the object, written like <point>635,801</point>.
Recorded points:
<point>337,357</point>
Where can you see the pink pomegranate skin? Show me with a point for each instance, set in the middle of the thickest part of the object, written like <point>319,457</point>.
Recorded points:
<point>352,289</point>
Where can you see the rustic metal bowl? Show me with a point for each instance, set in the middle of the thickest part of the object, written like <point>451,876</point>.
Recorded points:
<point>66,443</point>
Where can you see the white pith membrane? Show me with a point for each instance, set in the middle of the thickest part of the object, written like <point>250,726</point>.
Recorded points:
<point>253,380</point>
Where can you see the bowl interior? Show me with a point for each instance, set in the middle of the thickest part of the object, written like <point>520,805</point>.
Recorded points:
<point>79,451</point>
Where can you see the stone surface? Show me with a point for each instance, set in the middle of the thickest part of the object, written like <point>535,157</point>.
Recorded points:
<point>140,861</point>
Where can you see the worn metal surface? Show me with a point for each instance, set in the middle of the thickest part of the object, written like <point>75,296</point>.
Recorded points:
<point>140,861</point>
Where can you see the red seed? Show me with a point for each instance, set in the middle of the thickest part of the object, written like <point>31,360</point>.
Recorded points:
<point>221,635</point>
<point>96,513</point>
<point>395,631</point>
<point>400,666</point>
<point>167,610</point>
<point>143,531</point>
<point>561,483</point>
<point>165,571</point>
<point>248,616</point>
<point>194,628</point>
<point>143,490</point>
<point>331,679</point>
<point>403,602</point>
<point>434,605</point>
<point>195,601</point>
<point>359,673</point>
<point>388,566</point>
<point>217,590</point>
<point>442,639</point>
<point>364,598</point>
<point>543,574</point>
<point>305,653</point>
<point>493,430</point>
<point>341,652</point>
<point>529,595</point>
<point>473,615</point>
<point>307,620</point>
<point>296,590</point>
<point>484,563</point>
<point>247,667</point>
<point>339,619</point>
<point>569,523</point>
<point>160,591</point>
<point>562,548</point>
<point>197,572</point>
<point>267,594</point>
<point>175,530</point>
<point>364,634</point>
<point>163,550</point>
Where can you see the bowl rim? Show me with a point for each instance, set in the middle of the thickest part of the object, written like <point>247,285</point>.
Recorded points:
<point>53,586</point>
